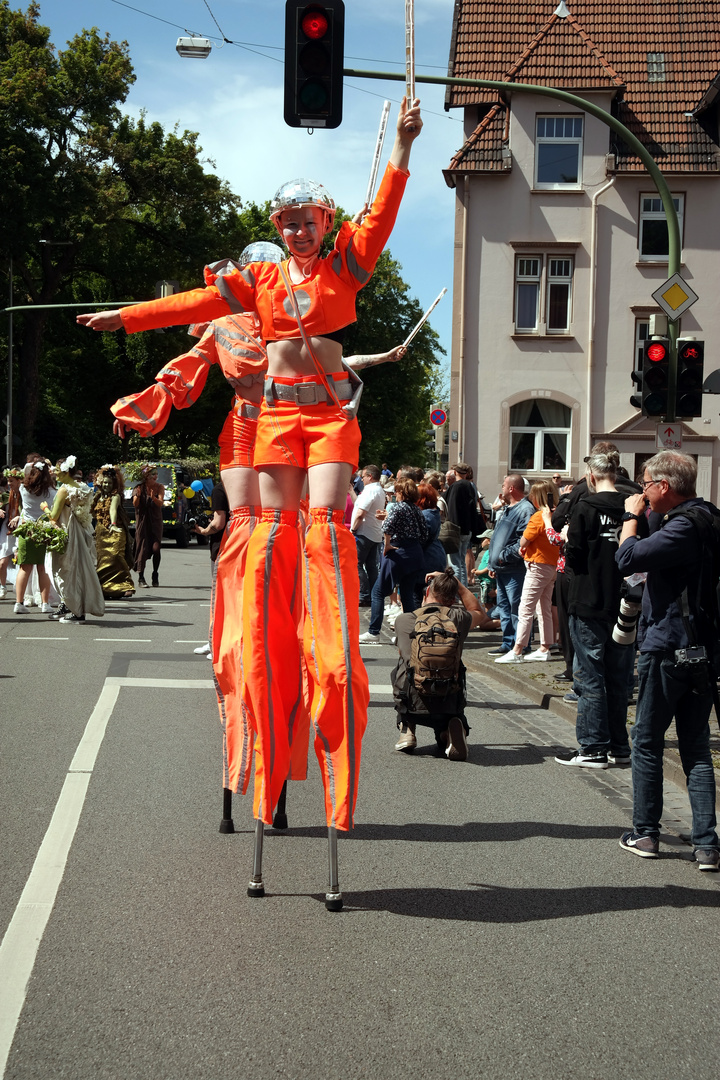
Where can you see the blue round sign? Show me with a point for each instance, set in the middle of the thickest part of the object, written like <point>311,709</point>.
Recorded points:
<point>438,417</point>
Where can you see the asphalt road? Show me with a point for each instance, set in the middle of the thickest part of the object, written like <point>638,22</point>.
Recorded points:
<point>492,925</point>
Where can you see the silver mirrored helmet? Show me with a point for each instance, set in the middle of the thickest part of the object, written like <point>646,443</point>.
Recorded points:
<point>302,193</point>
<point>261,251</point>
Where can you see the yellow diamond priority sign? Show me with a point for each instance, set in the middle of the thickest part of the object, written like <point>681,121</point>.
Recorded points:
<point>675,296</point>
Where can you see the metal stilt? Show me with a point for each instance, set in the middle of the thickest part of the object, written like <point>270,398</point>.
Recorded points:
<point>280,820</point>
<point>333,897</point>
<point>227,825</point>
<point>256,887</point>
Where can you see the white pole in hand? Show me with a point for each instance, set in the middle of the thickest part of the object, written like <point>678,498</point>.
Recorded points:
<point>378,151</point>
<point>424,319</point>
<point>410,51</point>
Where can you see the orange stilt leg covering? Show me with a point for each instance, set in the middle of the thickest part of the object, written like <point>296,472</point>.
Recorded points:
<point>226,641</point>
<point>338,679</point>
<point>273,686</point>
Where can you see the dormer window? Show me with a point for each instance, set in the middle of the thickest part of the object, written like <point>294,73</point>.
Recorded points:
<point>558,151</point>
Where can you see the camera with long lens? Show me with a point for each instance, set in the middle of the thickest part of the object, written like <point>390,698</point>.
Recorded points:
<point>625,629</point>
<point>200,519</point>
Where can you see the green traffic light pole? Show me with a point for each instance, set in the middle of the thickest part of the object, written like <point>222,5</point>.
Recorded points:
<point>627,136</point>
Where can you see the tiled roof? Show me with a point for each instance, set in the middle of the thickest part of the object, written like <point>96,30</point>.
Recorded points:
<point>600,45</point>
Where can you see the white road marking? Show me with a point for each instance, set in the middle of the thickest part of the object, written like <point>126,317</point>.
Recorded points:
<point>185,641</point>
<point>21,942</point>
<point>380,688</point>
<point>21,637</point>
<point>147,640</point>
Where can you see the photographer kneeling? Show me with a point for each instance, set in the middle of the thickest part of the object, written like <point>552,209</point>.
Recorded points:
<point>677,639</point>
<point>429,678</point>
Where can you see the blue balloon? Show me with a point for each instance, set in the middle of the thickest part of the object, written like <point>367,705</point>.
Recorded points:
<point>196,485</point>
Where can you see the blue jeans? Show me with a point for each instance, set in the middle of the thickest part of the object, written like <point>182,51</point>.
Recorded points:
<point>664,691</point>
<point>458,559</point>
<point>406,592</point>
<point>509,590</point>
<point>368,554</point>
<point>600,671</point>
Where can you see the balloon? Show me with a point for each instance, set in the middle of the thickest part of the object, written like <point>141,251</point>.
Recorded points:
<point>189,493</point>
<point>197,485</point>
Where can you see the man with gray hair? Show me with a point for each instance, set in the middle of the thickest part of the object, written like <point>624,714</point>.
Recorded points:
<point>678,641</point>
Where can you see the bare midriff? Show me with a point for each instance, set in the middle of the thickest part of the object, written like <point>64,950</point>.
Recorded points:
<point>290,359</point>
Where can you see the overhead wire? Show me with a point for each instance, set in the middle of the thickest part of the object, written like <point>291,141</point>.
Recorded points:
<point>254,47</point>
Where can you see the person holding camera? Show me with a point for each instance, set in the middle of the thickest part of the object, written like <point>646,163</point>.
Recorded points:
<point>678,639</point>
<point>601,666</point>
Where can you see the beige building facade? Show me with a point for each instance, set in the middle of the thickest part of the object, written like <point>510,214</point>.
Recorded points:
<point>560,242</point>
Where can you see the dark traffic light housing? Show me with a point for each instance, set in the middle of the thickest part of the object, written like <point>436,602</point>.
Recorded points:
<point>314,60</point>
<point>690,377</point>
<point>655,375</point>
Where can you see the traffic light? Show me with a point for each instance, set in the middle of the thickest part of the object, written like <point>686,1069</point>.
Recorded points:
<point>655,374</point>
<point>314,58</point>
<point>690,377</point>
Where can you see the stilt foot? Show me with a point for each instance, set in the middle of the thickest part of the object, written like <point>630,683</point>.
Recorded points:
<point>255,888</point>
<point>280,821</point>
<point>227,825</point>
<point>334,901</point>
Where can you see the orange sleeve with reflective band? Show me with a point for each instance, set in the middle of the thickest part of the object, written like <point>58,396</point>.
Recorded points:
<point>196,305</point>
<point>180,383</point>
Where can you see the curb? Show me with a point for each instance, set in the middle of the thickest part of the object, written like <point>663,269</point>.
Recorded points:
<point>536,683</point>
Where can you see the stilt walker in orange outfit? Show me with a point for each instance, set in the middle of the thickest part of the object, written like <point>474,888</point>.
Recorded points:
<point>232,343</point>
<point>307,429</point>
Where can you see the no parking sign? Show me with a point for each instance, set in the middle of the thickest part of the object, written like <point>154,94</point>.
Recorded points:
<point>438,417</point>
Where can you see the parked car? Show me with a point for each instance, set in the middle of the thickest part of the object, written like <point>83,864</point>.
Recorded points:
<point>178,509</point>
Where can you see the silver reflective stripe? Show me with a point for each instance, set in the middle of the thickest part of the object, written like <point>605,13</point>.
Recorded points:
<point>176,375</point>
<point>140,414</point>
<point>297,584</point>
<point>360,275</point>
<point>229,296</point>
<point>200,356</point>
<point>247,738</point>
<point>266,633</point>
<point>337,263</point>
<point>350,702</point>
<point>318,732</point>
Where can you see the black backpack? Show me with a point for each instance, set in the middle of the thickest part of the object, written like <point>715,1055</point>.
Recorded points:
<point>704,600</point>
<point>435,653</point>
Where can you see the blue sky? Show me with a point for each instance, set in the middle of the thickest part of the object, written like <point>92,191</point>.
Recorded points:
<point>234,101</point>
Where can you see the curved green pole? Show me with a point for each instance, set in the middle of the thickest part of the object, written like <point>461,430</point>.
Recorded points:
<point>627,136</point>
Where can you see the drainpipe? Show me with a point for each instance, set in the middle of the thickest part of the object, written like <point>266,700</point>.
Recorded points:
<point>591,312</point>
<point>461,356</point>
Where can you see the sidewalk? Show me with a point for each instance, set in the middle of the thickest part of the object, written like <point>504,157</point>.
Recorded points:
<point>537,682</point>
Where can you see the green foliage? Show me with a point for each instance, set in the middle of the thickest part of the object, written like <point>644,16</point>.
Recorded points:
<point>98,207</point>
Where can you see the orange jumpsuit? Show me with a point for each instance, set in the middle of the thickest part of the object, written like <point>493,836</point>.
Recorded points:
<point>338,680</point>
<point>231,343</point>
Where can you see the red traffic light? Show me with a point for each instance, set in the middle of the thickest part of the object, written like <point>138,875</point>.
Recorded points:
<point>690,352</point>
<point>314,24</point>
<point>656,352</point>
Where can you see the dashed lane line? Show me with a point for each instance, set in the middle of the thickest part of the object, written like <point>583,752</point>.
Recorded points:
<point>21,942</point>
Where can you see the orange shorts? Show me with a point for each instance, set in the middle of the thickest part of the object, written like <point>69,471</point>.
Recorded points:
<point>237,438</point>
<point>305,435</point>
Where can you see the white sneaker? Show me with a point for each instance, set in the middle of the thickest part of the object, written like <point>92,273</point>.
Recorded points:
<point>37,599</point>
<point>369,639</point>
<point>3,592</point>
<point>46,609</point>
<point>510,658</point>
<point>28,602</point>
<point>20,609</point>
<point>203,648</point>
<point>538,655</point>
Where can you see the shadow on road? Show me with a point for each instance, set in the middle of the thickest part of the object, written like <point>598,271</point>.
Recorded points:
<point>472,832</point>
<point>499,904</point>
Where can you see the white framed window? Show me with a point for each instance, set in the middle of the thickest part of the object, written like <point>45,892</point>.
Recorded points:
<point>559,295</point>
<point>549,277</point>
<point>539,436</point>
<point>527,294</point>
<point>653,233</point>
<point>558,151</point>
